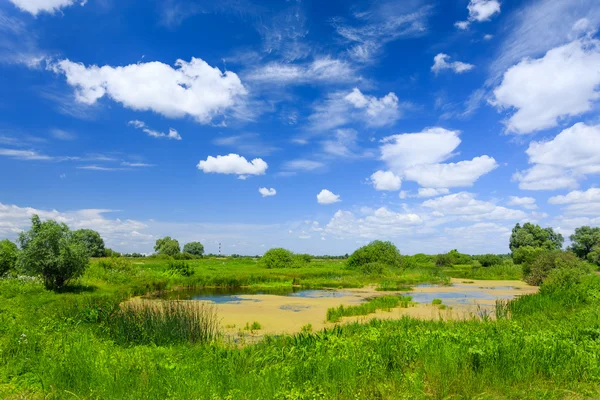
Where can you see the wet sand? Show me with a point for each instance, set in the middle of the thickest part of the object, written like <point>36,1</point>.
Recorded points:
<point>288,314</point>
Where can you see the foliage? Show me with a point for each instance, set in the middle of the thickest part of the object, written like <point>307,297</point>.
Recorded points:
<point>195,248</point>
<point>594,255</point>
<point>134,255</point>
<point>584,239</point>
<point>526,254</point>
<point>49,249</point>
<point>379,252</point>
<point>167,246</point>
<point>536,272</point>
<point>115,264</point>
<point>443,260</point>
<point>111,253</point>
<point>8,256</point>
<point>489,260</point>
<point>436,302</point>
<point>371,306</point>
<point>179,267</point>
<point>277,258</point>
<point>535,236</point>
<point>92,240</point>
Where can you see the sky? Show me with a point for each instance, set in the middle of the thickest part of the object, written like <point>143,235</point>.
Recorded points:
<point>310,125</point>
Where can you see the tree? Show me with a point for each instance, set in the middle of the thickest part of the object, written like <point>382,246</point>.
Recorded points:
<point>50,249</point>
<point>277,258</point>
<point>195,248</point>
<point>584,240</point>
<point>92,240</point>
<point>535,236</point>
<point>8,256</point>
<point>385,253</point>
<point>547,261</point>
<point>167,246</point>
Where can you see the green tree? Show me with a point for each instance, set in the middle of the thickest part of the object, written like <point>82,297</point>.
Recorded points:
<point>584,240</point>
<point>195,248</point>
<point>535,236</point>
<point>385,253</point>
<point>536,272</point>
<point>50,249</point>
<point>8,256</point>
<point>92,240</point>
<point>277,258</point>
<point>167,246</point>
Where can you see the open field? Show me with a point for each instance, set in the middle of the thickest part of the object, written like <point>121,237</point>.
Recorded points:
<point>68,345</point>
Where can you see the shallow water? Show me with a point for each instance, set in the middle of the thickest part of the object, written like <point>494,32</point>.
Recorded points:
<point>243,294</point>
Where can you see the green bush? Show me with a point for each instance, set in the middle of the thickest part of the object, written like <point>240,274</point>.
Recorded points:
<point>537,271</point>
<point>120,264</point>
<point>111,253</point>
<point>277,258</point>
<point>489,260</point>
<point>459,258</point>
<point>49,249</point>
<point>195,248</point>
<point>91,240</point>
<point>8,256</point>
<point>167,246</point>
<point>384,253</point>
<point>179,267</point>
<point>594,255</point>
<point>443,260</point>
<point>374,268</point>
<point>526,254</point>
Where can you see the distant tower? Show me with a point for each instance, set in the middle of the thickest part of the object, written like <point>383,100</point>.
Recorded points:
<point>219,249</point>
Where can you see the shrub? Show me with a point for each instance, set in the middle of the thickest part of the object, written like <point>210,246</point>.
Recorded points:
<point>277,258</point>
<point>537,271</point>
<point>526,254</point>
<point>179,267</point>
<point>594,255</point>
<point>8,256</point>
<point>443,260</point>
<point>374,268</point>
<point>111,253</point>
<point>195,248</point>
<point>91,240</point>
<point>459,258</point>
<point>489,260</point>
<point>383,253</point>
<point>50,250</point>
<point>436,302</point>
<point>116,264</point>
<point>562,278</point>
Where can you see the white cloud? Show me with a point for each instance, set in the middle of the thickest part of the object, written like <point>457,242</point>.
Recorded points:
<point>432,192</point>
<point>267,192</point>
<point>562,161</point>
<point>136,164</point>
<point>440,62</point>
<point>302,165</point>
<point>525,202</point>
<point>62,135</point>
<point>327,197</point>
<point>233,164</point>
<point>24,155</point>
<point>192,88</point>
<point>173,134</point>
<point>574,71</point>
<point>377,223</point>
<point>480,11</point>
<point>343,144</point>
<point>342,108</point>
<point>35,7</point>
<point>247,143</point>
<point>579,202</point>
<point>465,206</point>
<point>386,180</point>
<point>321,70</point>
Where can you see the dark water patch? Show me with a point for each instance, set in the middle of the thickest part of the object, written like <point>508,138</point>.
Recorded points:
<point>294,308</point>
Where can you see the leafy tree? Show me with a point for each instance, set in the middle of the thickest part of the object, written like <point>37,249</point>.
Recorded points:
<point>535,236</point>
<point>195,248</point>
<point>92,241</point>
<point>8,256</point>
<point>584,240</point>
<point>594,255</point>
<point>50,249</point>
<point>526,254</point>
<point>536,272</point>
<point>111,253</point>
<point>167,246</point>
<point>277,258</point>
<point>385,253</point>
<point>489,260</point>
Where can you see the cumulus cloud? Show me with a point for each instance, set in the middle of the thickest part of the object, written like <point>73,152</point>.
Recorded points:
<point>233,164</point>
<point>440,62</point>
<point>465,206</point>
<point>480,11</point>
<point>342,108</point>
<point>418,157</point>
<point>267,192</point>
<point>34,7</point>
<point>386,180</point>
<point>563,161</point>
<point>525,202</point>
<point>327,197</point>
<point>173,134</point>
<point>573,69</point>
<point>580,203</point>
<point>192,88</point>
<point>377,223</point>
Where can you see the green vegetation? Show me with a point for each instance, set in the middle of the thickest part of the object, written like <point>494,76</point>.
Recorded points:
<point>167,246</point>
<point>375,258</point>
<point>9,253</point>
<point>282,258</point>
<point>94,339</point>
<point>535,236</point>
<point>378,303</point>
<point>92,241</point>
<point>194,248</point>
<point>436,302</point>
<point>489,260</point>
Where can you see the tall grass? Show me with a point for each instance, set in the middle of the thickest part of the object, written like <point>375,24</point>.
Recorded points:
<point>164,322</point>
<point>371,306</point>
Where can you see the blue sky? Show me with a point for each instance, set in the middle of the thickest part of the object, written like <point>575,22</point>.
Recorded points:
<point>316,126</point>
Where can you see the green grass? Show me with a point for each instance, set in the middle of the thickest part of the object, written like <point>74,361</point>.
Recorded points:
<point>369,307</point>
<point>436,302</point>
<point>67,345</point>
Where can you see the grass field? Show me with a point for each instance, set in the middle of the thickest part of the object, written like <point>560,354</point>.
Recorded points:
<point>82,344</point>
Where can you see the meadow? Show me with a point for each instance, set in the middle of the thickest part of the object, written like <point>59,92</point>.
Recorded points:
<point>83,343</point>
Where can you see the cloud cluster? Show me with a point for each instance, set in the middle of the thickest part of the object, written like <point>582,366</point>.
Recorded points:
<point>419,157</point>
<point>34,7</point>
<point>562,161</point>
<point>267,192</point>
<point>440,63</point>
<point>525,202</point>
<point>580,203</point>
<point>480,11</point>
<point>386,180</point>
<point>327,197</point>
<point>321,70</point>
<point>173,134</point>
<point>233,164</point>
<point>465,206</point>
<point>193,88</point>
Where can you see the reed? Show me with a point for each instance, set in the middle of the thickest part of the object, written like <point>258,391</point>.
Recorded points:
<point>371,306</point>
